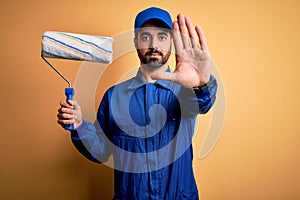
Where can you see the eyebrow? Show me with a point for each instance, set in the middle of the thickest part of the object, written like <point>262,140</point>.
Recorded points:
<point>145,33</point>
<point>163,33</point>
<point>159,33</point>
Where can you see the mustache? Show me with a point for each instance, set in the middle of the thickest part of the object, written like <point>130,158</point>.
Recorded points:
<point>151,51</point>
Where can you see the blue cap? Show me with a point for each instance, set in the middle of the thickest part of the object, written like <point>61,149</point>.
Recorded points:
<point>151,14</point>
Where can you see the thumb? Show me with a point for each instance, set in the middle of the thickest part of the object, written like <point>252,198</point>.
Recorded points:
<point>75,105</point>
<point>165,76</point>
<point>174,77</point>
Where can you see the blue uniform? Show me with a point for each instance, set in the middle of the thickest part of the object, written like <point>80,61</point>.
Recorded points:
<point>148,128</point>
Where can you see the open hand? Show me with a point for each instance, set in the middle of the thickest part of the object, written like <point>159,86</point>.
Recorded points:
<point>193,64</point>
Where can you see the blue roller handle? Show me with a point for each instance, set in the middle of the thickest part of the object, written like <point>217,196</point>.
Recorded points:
<point>69,92</point>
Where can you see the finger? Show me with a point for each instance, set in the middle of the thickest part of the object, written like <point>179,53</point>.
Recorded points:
<point>183,31</point>
<point>192,32</point>
<point>177,38</point>
<point>66,110</point>
<point>202,38</point>
<point>66,104</point>
<point>64,116</point>
<point>64,122</point>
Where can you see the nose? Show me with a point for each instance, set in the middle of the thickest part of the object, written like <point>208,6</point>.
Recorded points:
<point>154,43</point>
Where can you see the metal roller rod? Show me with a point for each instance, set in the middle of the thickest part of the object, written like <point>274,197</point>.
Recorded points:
<point>60,74</point>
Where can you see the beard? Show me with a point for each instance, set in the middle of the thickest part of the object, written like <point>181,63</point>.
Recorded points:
<point>153,62</point>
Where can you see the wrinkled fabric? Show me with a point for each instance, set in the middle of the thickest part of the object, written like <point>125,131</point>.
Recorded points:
<point>148,129</point>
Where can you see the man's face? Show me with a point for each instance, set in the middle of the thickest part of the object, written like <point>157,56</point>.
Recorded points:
<point>153,45</point>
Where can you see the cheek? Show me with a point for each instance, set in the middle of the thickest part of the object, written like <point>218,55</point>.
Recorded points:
<point>142,51</point>
<point>166,46</point>
<point>141,48</point>
<point>144,45</point>
<point>166,49</point>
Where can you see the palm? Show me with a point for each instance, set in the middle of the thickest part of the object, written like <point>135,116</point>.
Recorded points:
<point>192,67</point>
<point>193,64</point>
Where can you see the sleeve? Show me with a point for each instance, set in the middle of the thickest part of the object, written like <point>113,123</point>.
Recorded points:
<point>90,140</point>
<point>199,100</point>
<point>206,95</point>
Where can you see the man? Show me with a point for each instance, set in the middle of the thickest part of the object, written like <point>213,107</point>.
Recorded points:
<point>147,123</point>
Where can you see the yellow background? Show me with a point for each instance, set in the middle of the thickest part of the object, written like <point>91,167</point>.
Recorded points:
<point>254,44</point>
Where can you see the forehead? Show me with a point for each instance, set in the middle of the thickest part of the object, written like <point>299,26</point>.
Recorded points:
<point>152,28</point>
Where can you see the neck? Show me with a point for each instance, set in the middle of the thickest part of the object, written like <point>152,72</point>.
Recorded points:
<point>147,72</point>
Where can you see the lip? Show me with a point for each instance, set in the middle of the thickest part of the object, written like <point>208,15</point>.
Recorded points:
<point>154,55</point>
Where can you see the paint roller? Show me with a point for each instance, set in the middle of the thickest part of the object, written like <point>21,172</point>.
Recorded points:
<point>74,46</point>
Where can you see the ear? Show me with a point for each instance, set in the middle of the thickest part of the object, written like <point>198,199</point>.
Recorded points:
<point>135,42</point>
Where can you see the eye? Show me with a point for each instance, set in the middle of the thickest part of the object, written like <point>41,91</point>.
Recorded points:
<point>162,37</point>
<point>145,38</point>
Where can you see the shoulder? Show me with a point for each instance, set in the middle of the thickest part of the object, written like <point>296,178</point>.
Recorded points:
<point>122,86</point>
